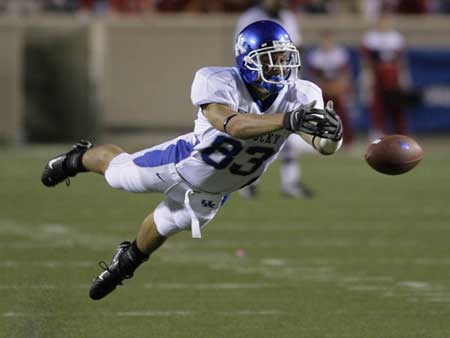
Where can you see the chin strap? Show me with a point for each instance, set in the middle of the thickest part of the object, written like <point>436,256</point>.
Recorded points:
<point>271,87</point>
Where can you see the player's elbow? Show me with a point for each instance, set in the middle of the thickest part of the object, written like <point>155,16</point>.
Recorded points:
<point>239,131</point>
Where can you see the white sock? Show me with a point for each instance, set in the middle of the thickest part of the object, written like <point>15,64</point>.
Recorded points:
<point>290,174</point>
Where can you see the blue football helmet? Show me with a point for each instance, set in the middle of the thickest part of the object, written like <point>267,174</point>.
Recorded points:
<point>266,56</point>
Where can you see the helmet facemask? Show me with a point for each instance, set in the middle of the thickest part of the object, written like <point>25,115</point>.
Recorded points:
<point>277,64</point>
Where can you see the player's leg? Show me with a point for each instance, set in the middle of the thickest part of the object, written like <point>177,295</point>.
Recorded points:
<point>127,258</point>
<point>171,216</point>
<point>148,238</point>
<point>144,171</point>
<point>97,159</point>
<point>81,158</point>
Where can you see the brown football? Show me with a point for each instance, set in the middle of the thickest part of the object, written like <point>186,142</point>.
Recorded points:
<point>393,154</point>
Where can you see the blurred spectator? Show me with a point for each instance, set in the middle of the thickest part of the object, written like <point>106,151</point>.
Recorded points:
<point>171,5</point>
<point>315,6</point>
<point>412,6</point>
<point>371,9</point>
<point>329,66</point>
<point>385,72</point>
<point>95,6</point>
<point>20,7</point>
<point>129,6</point>
<point>443,6</point>
<point>204,6</point>
<point>275,10</point>
<point>60,5</point>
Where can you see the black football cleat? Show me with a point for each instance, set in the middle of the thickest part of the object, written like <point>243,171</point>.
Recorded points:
<point>66,165</point>
<point>125,261</point>
<point>112,276</point>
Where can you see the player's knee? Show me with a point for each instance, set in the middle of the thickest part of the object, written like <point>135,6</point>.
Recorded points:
<point>172,217</point>
<point>113,149</point>
<point>112,179</point>
<point>98,158</point>
<point>109,151</point>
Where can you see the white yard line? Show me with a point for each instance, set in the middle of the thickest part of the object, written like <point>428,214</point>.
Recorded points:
<point>52,235</point>
<point>252,313</point>
<point>153,313</point>
<point>209,286</point>
<point>49,264</point>
<point>166,313</point>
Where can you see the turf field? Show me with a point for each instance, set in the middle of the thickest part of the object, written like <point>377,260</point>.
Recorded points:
<point>369,257</point>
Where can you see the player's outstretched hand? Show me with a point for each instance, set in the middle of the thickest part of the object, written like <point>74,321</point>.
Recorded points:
<point>334,124</point>
<point>303,119</point>
<point>317,122</point>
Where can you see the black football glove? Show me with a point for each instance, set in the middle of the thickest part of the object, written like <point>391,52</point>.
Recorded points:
<point>317,122</point>
<point>333,126</point>
<point>306,119</point>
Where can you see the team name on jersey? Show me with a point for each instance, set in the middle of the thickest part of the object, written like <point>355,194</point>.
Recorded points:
<point>270,138</point>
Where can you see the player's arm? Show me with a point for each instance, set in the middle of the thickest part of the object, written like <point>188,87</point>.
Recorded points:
<point>320,128</point>
<point>324,134</point>
<point>243,126</point>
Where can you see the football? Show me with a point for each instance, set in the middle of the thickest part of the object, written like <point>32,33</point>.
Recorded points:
<point>393,154</point>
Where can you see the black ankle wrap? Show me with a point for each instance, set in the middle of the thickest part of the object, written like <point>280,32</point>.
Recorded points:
<point>131,259</point>
<point>74,164</point>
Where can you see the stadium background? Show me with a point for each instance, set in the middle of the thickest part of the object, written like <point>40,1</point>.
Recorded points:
<point>125,74</point>
<point>368,257</point>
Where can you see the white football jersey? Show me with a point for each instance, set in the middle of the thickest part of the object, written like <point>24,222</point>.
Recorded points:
<point>220,163</point>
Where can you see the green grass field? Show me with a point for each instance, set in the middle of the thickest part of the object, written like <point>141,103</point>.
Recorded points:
<point>369,257</point>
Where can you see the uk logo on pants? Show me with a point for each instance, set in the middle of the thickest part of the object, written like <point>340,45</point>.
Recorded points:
<point>209,204</point>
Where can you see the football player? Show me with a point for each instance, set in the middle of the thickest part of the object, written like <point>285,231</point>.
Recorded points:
<point>291,181</point>
<point>245,114</point>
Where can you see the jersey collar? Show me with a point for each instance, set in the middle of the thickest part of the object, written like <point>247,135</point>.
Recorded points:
<point>263,104</point>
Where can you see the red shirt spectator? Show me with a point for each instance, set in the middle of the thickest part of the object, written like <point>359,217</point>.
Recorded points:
<point>384,60</point>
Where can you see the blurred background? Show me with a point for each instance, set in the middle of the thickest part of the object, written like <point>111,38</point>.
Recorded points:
<point>121,70</point>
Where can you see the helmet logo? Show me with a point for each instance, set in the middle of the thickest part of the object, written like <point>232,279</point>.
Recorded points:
<point>281,44</point>
<point>241,45</point>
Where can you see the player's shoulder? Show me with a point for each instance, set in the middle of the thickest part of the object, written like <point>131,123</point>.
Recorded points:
<point>303,91</point>
<point>223,74</point>
<point>215,84</point>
